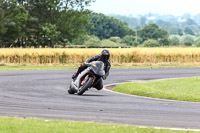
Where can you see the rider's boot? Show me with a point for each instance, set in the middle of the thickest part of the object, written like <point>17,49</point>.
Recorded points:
<point>80,69</point>
<point>75,75</point>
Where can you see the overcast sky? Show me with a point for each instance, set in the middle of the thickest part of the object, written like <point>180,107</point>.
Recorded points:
<point>134,7</point>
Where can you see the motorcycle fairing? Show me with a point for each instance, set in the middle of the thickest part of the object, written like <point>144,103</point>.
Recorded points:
<point>98,68</point>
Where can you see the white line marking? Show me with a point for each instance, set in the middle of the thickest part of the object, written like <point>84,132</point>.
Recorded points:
<point>181,129</point>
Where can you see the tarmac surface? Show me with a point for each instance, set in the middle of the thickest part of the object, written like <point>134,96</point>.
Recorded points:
<point>43,94</point>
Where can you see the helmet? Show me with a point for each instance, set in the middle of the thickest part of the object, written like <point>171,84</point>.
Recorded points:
<point>105,55</point>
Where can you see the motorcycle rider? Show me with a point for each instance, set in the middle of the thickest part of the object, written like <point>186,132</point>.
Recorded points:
<point>104,57</point>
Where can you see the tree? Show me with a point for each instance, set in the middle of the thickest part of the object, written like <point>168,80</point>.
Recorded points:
<point>109,43</point>
<point>187,38</point>
<point>3,29</point>
<point>129,40</point>
<point>197,43</point>
<point>189,31</point>
<point>105,27</point>
<point>142,21</point>
<point>132,22</point>
<point>165,25</point>
<point>80,40</point>
<point>151,43</point>
<point>42,22</point>
<point>116,39</point>
<point>152,31</point>
<point>190,21</point>
<point>51,34</point>
<point>92,41</point>
<point>68,16</point>
<point>180,32</point>
<point>173,30</point>
<point>75,26</point>
<point>188,43</point>
<point>174,41</point>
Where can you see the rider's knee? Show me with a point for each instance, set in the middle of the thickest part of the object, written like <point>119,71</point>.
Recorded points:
<point>99,87</point>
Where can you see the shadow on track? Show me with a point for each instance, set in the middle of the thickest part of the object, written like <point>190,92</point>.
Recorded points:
<point>87,95</point>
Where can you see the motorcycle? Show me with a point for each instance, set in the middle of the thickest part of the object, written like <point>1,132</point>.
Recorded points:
<point>87,78</point>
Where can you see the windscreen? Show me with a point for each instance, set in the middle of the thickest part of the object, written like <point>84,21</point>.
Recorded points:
<point>98,68</point>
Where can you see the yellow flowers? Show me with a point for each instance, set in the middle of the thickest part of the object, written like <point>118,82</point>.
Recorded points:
<point>118,55</point>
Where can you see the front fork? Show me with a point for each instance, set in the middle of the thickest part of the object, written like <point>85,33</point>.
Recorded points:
<point>78,79</point>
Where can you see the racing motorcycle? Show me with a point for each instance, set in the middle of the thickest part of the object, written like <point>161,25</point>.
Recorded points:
<point>87,78</point>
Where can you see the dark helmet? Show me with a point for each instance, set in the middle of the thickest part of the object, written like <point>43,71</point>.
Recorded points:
<point>105,55</point>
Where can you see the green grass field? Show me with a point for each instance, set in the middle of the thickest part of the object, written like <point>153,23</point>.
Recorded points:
<point>183,89</point>
<point>18,125</point>
<point>5,68</point>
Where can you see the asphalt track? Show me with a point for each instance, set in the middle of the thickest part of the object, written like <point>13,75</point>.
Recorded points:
<point>42,94</point>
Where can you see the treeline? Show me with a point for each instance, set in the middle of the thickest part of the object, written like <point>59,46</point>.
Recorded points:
<point>68,23</point>
<point>109,31</point>
<point>122,35</point>
<point>175,25</point>
<point>26,23</point>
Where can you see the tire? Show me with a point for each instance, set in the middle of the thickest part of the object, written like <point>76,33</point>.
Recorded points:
<point>87,85</point>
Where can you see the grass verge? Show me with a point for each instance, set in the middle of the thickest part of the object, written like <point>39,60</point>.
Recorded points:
<point>17,125</point>
<point>5,68</point>
<point>182,89</point>
<point>34,67</point>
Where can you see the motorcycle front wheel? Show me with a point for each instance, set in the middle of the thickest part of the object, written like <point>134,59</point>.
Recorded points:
<point>85,86</point>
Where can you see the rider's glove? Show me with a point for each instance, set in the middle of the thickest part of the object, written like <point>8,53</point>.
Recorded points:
<point>104,77</point>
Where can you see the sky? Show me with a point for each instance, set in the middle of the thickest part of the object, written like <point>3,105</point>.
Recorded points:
<point>135,7</point>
